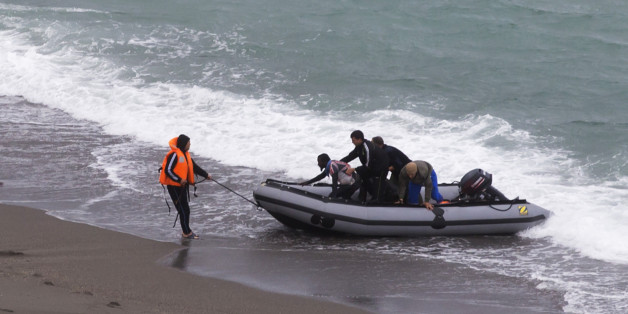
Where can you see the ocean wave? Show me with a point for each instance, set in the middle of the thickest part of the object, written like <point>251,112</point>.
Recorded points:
<point>273,133</point>
<point>25,8</point>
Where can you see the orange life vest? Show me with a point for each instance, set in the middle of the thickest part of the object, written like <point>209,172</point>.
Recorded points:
<point>184,168</point>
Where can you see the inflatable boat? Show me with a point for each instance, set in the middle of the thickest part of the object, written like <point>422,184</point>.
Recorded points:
<point>474,208</point>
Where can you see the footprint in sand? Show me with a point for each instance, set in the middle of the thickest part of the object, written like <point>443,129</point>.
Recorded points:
<point>113,304</point>
<point>10,253</point>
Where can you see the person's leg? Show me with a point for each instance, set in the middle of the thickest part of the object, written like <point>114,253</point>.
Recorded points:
<point>365,177</point>
<point>435,193</point>
<point>185,207</point>
<point>414,190</point>
<point>343,191</point>
<point>394,179</point>
<point>380,185</point>
<point>346,191</point>
<point>180,199</point>
<point>372,182</point>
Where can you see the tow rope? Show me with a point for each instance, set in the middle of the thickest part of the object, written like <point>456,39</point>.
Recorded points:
<point>205,179</point>
<point>236,193</point>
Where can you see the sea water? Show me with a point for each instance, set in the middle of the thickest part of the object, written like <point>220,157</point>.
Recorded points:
<point>532,91</point>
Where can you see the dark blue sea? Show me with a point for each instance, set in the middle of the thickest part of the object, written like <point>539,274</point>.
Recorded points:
<point>534,92</point>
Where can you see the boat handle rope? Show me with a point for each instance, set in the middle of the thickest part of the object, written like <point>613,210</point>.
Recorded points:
<point>503,210</point>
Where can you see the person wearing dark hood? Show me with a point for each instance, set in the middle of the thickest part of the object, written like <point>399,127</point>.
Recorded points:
<point>178,170</point>
<point>342,184</point>
<point>396,158</point>
<point>374,168</point>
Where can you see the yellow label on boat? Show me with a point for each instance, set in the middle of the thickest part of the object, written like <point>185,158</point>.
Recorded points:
<point>523,210</point>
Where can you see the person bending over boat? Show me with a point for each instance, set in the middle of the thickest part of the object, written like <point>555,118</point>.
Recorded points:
<point>178,170</point>
<point>412,177</point>
<point>396,158</point>
<point>342,184</point>
<point>374,168</point>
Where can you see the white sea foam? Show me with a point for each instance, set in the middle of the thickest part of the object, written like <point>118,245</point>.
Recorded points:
<point>17,7</point>
<point>272,134</point>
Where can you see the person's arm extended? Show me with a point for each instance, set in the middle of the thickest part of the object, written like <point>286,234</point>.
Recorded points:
<point>199,171</point>
<point>352,155</point>
<point>428,189</point>
<point>424,171</point>
<point>315,179</point>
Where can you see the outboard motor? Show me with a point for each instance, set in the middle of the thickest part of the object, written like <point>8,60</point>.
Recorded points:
<point>475,182</point>
<point>476,185</point>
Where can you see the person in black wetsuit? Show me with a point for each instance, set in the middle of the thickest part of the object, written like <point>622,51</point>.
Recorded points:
<point>396,158</point>
<point>343,185</point>
<point>374,168</point>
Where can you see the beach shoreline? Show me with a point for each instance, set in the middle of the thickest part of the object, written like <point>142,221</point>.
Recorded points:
<point>51,265</point>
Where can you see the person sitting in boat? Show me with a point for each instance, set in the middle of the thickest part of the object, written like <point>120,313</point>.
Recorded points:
<point>342,184</point>
<point>374,165</point>
<point>412,177</point>
<point>396,158</point>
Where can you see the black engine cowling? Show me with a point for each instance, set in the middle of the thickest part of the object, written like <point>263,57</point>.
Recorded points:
<point>476,184</point>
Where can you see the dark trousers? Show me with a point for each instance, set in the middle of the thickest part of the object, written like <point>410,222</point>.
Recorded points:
<point>372,181</point>
<point>345,191</point>
<point>179,195</point>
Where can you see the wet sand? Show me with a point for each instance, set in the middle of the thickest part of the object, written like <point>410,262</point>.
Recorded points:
<point>381,283</point>
<point>49,265</point>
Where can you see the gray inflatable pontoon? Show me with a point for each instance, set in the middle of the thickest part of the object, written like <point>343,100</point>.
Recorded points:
<point>309,207</point>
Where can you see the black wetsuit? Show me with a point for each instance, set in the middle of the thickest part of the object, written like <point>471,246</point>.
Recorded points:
<point>397,159</point>
<point>374,166</point>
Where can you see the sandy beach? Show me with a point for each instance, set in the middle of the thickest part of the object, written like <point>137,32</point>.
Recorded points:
<point>49,265</point>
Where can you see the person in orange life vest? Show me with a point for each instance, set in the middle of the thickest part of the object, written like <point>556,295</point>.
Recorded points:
<point>178,170</point>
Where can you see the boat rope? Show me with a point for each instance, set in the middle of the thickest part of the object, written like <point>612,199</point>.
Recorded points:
<point>234,192</point>
<point>504,210</point>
